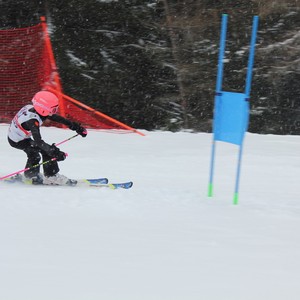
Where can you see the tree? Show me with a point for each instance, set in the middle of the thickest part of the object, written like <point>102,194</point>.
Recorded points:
<point>19,13</point>
<point>105,52</point>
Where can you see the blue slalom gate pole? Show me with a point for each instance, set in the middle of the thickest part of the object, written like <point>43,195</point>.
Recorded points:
<point>221,53</point>
<point>251,56</point>
<point>247,95</point>
<point>218,93</point>
<point>237,180</point>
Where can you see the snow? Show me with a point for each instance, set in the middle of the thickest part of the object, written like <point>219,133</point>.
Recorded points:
<point>75,60</point>
<point>164,239</point>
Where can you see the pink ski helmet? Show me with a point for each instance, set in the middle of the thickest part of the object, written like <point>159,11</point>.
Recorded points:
<point>45,103</point>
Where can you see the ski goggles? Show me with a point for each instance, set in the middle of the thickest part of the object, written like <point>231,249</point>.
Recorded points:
<point>53,110</point>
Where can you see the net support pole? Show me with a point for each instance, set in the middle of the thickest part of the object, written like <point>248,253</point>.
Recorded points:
<point>50,53</point>
<point>218,93</point>
<point>88,108</point>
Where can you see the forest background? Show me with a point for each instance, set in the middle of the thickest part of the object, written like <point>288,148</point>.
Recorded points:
<point>153,64</point>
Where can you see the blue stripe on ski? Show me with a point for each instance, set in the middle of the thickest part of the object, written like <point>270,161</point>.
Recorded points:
<point>98,180</point>
<point>114,186</point>
<point>124,185</point>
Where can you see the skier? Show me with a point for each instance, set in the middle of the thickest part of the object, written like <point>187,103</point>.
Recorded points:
<point>24,134</point>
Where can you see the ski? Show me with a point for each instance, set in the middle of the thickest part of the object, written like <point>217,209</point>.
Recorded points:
<point>92,182</point>
<point>21,179</point>
<point>103,183</point>
<point>114,186</point>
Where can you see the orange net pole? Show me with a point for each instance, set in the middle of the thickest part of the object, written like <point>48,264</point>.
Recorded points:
<point>122,125</point>
<point>53,65</point>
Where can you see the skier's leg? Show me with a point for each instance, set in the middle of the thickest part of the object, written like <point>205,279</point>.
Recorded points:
<point>51,168</point>
<point>51,175</point>
<point>33,156</point>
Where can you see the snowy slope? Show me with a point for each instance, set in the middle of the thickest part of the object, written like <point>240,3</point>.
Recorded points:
<point>163,239</point>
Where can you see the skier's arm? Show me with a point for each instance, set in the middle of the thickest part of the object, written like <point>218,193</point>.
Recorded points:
<point>72,125</point>
<point>60,119</point>
<point>33,126</point>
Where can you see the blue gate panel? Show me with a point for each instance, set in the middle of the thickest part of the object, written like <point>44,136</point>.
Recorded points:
<point>231,117</point>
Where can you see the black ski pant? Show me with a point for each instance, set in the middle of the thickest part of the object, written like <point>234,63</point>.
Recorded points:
<point>33,158</point>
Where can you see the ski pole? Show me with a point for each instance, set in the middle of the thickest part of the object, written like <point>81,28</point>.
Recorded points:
<point>39,164</point>
<point>72,137</point>
<point>26,169</point>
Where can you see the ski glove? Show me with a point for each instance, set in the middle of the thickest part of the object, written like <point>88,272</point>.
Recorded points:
<point>78,128</point>
<point>56,153</point>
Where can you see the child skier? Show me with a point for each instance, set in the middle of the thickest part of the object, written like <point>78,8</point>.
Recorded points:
<point>24,134</point>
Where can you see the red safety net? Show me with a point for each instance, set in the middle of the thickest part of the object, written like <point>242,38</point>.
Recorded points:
<point>27,65</point>
<point>24,68</point>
